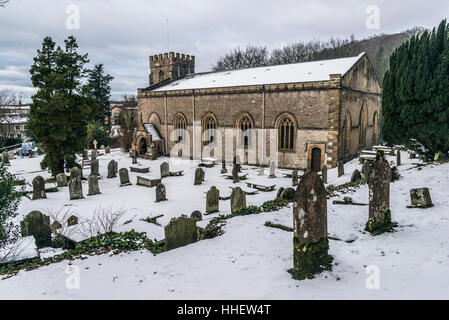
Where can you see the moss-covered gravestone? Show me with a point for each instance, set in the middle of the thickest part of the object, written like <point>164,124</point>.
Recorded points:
<point>112,169</point>
<point>235,174</point>
<point>38,225</point>
<point>61,180</point>
<point>199,177</point>
<point>341,168</point>
<point>180,232</point>
<point>366,168</point>
<point>165,170</point>
<point>5,157</point>
<point>238,200</point>
<point>288,194</point>
<point>39,188</point>
<point>295,178</point>
<point>196,215</point>
<point>379,196</point>
<point>310,242</point>
<point>212,200</point>
<point>356,176</point>
<point>421,198</point>
<point>278,195</point>
<point>92,182</point>
<point>75,172</point>
<point>72,221</point>
<point>107,150</point>
<point>161,193</point>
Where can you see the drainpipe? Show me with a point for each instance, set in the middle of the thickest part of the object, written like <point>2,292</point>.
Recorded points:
<point>166,124</point>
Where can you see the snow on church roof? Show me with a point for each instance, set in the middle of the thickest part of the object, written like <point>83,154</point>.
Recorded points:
<point>149,127</point>
<point>287,73</point>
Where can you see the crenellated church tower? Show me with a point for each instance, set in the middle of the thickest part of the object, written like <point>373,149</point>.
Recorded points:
<point>170,66</point>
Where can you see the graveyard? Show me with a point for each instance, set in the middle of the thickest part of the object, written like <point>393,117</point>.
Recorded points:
<point>253,257</point>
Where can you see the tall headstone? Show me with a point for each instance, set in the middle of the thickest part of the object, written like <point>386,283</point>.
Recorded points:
<point>39,188</point>
<point>199,176</point>
<point>237,162</point>
<point>95,167</point>
<point>112,169</point>
<point>223,167</point>
<point>310,242</point>
<point>5,157</point>
<point>180,232</point>
<point>272,170</point>
<point>165,170</point>
<point>238,199</point>
<point>38,225</point>
<point>235,174</point>
<point>295,178</point>
<point>94,189</point>
<point>398,158</point>
<point>212,200</point>
<point>324,174</point>
<point>379,196</point>
<point>61,180</point>
<point>341,168</point>
<point>161,193</point>
<point>124,177</point>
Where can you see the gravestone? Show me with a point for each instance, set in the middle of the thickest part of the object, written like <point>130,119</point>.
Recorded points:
<point>272,170</point>
<point>75,172</point>
<point>5,157</point>
<point>161,193</point>
<point>212,200</point>
<point>199,176</point>
<point>180,232</point>
<point>238,200</point>
<point>235,174</point>
<point>72,221</point>
<point>112,169</point>
<point>165,170</point>
<point>310,242</point>
<point>295,178</point>
<point>107,150</point>
<point>150,183</point>
<point>237,162</point>
<point>38,225</point>
<point>278,195</point>
<point>288,194</point>
<point>39,188</point>
<point>92,182</point>
<point>75,187</point>
<point>356,176</point>
<point>366,168</point>
<point>196,215</point>
<point>324,174</point>
<point>93,154</point>
<point>379,196</point>
<point>124,177</point>
<point>61,180</point>
<point>261,171</point>
<point>398,158</point>
<point>341,168</point>
<point>421,198</point>
<point>223,167</point>
<point>94,167</point>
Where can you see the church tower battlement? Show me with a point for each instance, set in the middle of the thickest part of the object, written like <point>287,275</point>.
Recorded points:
<point>170,66</point>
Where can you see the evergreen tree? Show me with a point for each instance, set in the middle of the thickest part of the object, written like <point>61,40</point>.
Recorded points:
<point>415,94</point>
<point>60,111</point>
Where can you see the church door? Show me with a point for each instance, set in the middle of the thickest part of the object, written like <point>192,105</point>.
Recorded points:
<point>316,159</point>
<point>143,146</point>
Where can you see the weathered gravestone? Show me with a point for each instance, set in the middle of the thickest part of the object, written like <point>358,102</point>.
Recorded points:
<point>238,200</point>
<point>288,194</point>
<point>398,158</point>
<point>366,168</point>
<point>124,177</point>
<point>39,188</point>
<point>295,178</point>
<point>272,170</point>
<point>180,232</point>
<point>223,167</point>
<point>61,180</point>
<point>72,221</point>
<point>95,167</point>
<point>199,176</point>
<point>107,150</point>
<point>75,185</point>
<point>112,169</point>
<point>379,196</point>
<point>421,198</point>
<point>75,172</point>
<point>235,174</point>
<point>150,183</point>
<point>38,225</point>
<point>324,174</point>
<point>310,242</point>
<point>237,162</point>
<point>341,168</point>
<point>212,200</point>
<point>278,195</point>
<point>161,193</point>
<point>5,157</point>
<point>165,170</point>
<point>356,176</point>
<point>92,182</point>
<point>196,215</point>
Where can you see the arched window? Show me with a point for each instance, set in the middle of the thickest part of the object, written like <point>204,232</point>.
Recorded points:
<point>286,132</point>
<point>209,128</point>
<point>362,125</point>
<point>245,124</point>
<point>347,126</point>
<point>180,124</point>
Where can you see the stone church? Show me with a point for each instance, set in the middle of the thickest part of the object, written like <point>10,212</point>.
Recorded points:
<point>323,111</point>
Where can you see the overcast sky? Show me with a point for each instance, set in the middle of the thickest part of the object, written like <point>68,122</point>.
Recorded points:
<point>121,34</point>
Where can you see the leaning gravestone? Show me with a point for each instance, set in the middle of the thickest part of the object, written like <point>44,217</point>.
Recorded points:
<point>379,196</point>
<point>180,232</point>
<point>5,157</point>
<point>341,168</point>
<point>39,188</point>
<point>421,198</point>
<point>165,170</point>
<point>223,167</point>
<point>398,158</point>
<point>324,174</point>
<point>295,178</point>
<point>310,242</point>
<point>38,225</point>
<point>94,189</point>
<point>238,200</point>
<point>94,167</point>
<point>112,169</point>
<point>61,180</point>
<point>124,177</point>
<point>235,174</point>
<point>366,168</point>
<point>161,193</point>
<point>199,176</point>
<point>356,176</point>
<point>212,200</point>
<point>272,170</point>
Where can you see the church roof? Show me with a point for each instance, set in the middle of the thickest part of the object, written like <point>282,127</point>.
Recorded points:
<point>279,74</point>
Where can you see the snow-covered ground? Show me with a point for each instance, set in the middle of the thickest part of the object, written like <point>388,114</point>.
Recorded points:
<point>250,261</point>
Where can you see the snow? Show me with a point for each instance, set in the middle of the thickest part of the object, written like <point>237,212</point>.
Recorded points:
<point>282,74</point>
<point>151,130</point>
<point>250,261</point>
<point>23,249</point>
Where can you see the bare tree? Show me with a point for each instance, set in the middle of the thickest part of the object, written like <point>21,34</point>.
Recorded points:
<point>250,57</point>
<point>7,99</point>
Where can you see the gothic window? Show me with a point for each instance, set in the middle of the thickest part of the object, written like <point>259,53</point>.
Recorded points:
<point>180,127</point>
<point>209,129</point>
<point>245,124</point>
<point>286,132</point>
